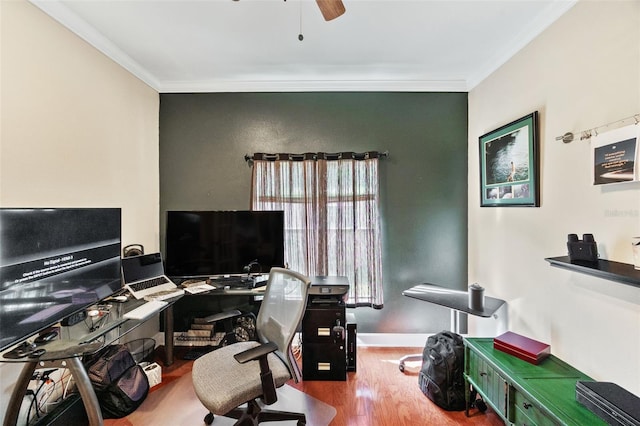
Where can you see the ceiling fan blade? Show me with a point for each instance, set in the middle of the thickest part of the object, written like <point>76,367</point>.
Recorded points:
<point>331,9</point>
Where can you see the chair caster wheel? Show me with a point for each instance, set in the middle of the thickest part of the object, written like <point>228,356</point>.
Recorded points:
<point>208,419</point>
<point>401,367</point>
<point>481,405</point>
<point>301,423</point>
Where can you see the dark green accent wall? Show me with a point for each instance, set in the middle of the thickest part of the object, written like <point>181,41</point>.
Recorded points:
<point>423,182</point>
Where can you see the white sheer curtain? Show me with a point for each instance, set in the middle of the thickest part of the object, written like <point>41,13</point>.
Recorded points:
<point>331,218</point>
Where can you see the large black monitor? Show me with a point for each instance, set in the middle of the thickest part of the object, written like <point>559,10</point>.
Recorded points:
<point>211,243</point>
<point>53,263</point>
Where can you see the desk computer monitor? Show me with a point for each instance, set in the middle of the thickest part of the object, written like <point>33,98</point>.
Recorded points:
<point>53,263</point>
<point>211,243</point>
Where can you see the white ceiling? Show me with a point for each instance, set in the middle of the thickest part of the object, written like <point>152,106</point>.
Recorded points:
<point>252,45</point>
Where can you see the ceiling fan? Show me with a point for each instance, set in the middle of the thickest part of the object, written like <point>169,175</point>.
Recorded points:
<point>331,9</point>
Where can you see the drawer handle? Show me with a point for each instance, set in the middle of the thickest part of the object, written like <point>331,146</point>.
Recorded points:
<point>482,373</point>
<point>526,405</point>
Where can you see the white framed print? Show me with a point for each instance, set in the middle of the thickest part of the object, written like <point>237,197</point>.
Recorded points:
<point>615,155</point>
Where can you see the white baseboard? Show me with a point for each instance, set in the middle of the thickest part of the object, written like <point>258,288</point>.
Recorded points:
<point>397,340</point>
<point>159,338</point>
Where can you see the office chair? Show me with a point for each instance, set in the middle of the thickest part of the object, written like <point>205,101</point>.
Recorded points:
<point>245,372</point>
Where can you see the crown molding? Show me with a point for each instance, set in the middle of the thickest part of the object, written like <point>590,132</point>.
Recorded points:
<point>78,26</point>
<point>529,32</point>
<point>212,86</point>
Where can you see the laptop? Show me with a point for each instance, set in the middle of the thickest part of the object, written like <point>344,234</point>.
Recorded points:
<point>144,277</point>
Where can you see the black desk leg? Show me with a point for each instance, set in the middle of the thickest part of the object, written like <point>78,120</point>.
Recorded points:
<point>168,336</point>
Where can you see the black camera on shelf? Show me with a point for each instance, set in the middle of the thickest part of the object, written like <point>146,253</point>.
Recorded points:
<point>585,250</point>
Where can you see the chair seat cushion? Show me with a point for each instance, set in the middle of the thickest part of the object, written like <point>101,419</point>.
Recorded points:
<point>222,383</point>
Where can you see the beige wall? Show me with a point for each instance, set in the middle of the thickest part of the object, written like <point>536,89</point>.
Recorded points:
<point>582,72</point>
<point>77,130</point>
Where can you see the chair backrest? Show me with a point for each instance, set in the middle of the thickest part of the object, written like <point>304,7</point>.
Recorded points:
<point>281,311</point>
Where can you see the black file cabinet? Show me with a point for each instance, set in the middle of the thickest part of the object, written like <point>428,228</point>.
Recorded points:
<point>324,344</point>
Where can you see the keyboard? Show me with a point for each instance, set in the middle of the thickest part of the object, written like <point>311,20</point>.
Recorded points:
<point>146,310</point>
<point>233,282</point>
<point>186,339</point>
<point>164,295</point>
<point>153,282</point>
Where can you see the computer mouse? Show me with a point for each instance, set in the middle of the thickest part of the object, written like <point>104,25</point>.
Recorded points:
<point>121,298</point>
<point>21,351</point>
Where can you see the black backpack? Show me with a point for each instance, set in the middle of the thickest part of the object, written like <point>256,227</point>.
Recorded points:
<point>441,376</point>
<point>120,384</point>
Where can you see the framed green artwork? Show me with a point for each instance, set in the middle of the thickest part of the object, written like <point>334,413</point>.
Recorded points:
<point>509,164</point>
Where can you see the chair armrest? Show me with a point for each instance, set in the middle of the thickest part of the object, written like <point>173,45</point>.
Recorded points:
<point>266,376</point>
<point>222,316</point>
<point>256,352</point>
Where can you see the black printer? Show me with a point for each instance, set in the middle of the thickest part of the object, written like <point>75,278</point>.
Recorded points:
<point>328,289</point>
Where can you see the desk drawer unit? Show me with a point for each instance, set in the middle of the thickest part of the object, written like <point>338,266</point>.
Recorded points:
<point>321,361</point>
<point>488,382</point>
<point>324,355</point>
<point>526,412</point>
<point>523,393</point>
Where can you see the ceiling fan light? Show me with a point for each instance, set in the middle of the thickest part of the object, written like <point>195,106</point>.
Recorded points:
<point>331,9</point>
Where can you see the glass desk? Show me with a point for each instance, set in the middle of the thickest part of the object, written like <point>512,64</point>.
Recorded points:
<point>75,342</point>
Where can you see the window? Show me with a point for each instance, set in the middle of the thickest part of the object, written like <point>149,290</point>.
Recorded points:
<point>331,216</point>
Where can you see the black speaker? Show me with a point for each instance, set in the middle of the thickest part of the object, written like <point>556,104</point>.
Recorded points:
<point>133,250</point>
<point>351,344</point>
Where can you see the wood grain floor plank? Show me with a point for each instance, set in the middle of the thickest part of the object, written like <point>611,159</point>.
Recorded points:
<point>377,394</point>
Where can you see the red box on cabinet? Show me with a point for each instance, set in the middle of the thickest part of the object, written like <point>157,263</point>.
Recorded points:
<point>522,347</point>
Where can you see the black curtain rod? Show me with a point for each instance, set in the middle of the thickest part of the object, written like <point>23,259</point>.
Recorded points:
<point>315,156</point>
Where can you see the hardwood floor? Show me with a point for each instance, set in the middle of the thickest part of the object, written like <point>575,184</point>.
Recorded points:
<point>377,394</point>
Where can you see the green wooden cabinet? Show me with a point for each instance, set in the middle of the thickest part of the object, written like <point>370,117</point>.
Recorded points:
<point>523,393</point>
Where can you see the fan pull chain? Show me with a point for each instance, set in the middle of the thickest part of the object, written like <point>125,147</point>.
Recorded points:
<point>300,36</point>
